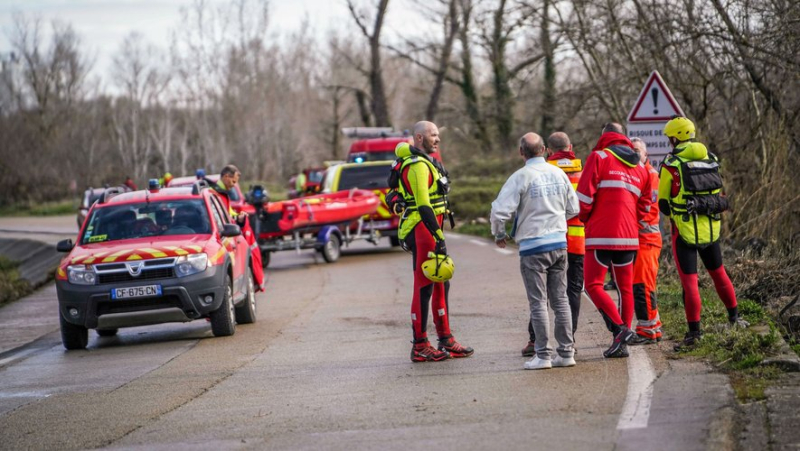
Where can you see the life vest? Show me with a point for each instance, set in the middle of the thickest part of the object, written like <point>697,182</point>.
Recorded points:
<point>576,232</point>
<point>697,208</point>
<point>403,202</point>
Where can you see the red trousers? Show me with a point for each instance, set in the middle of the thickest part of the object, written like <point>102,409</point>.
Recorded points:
<point>645,304</point>
<point>595,266</point>
<point>426,293</point>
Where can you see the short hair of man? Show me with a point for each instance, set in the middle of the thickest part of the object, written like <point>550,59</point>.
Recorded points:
<point>229,170</point>
<point>558,141</point>
<point>531,145</point>
<point>613,127</point>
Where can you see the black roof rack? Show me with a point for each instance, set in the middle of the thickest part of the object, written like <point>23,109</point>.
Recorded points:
<point>200,185</point>
<point>111,192</point>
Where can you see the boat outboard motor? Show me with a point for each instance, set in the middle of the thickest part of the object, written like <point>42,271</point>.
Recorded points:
<point>258,198</point>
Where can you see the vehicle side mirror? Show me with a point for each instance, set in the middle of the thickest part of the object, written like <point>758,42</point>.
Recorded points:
<point>64,246</point>
<point>231,230</point>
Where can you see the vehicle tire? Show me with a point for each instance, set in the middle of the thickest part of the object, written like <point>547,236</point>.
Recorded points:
<point>395,241</point>
<point>246,313</point>
<point>107,332</point>
<point>223,319</point>
<point>332,249</point>
<point>265,255</point>
<point>72,336</point>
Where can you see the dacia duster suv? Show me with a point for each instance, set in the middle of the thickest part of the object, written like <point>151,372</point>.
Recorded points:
<point>150,257</point>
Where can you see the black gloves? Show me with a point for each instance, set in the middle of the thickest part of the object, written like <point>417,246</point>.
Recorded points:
<point>441,248</point>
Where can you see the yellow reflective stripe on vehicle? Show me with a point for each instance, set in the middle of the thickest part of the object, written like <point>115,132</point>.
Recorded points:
<point>194,248</point>
<point>177,250</point>
<point>576,231</point>
<point>134,257</point>
<point>61,272</point>
<point>116,255</point>
<point>154,252</point>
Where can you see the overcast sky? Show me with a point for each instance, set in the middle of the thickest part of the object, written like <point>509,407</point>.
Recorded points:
<point>103,24</point>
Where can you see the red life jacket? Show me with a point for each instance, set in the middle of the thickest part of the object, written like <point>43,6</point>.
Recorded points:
<point>571,165</point>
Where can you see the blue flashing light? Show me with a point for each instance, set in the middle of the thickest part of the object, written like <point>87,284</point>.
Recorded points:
<point>153,184</point>
<point>359,159</point>
<point>200,173</point>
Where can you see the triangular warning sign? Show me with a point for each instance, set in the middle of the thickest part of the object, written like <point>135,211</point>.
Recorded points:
<point>655,102</point>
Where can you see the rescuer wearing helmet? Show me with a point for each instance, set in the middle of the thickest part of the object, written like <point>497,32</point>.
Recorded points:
<point>423,186</point>
<point>164,181</point>
<point>614,194</point>
<point>689,192</point>
<point>542,198</point>
<point>645,269</point>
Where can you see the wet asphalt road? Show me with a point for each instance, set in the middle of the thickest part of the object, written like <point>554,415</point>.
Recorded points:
<point>326,366</point>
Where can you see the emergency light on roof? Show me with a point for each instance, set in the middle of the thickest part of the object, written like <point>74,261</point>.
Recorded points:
<point>372,132</point>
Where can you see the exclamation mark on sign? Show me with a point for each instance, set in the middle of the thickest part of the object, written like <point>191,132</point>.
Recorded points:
<point>654,92</point>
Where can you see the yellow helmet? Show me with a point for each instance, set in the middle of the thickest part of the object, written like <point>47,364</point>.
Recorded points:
<point>680,128</point>
<point>438,267</point>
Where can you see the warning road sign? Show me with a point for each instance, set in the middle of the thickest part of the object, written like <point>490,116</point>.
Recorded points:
<point>651,112</point>
<point>655,103</point>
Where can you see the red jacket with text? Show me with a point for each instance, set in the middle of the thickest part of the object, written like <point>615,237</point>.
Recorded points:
<point>614,194</point>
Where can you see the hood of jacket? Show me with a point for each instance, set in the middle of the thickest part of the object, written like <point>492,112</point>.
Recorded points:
<point>562,154</point>
<point>620,146</point>
<point>691,151</point>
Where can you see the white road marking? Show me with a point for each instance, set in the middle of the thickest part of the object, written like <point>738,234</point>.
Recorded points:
<point>24,394</point>
<point>641,376</point>
<point>17,356</point>
<point>504,251</point>
<point>479,243</point>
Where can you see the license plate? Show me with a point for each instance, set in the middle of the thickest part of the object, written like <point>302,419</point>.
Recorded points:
<point>136,292</point>
<point>378,225</point>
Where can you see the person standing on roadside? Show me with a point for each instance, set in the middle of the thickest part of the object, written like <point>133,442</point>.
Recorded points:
<point>689,192</point>
<point>645,269</point>
<point>228,179</point>
<point>423,185</point>
<point>542,198</point>
<point>614,195</point>
<point>559,153</point>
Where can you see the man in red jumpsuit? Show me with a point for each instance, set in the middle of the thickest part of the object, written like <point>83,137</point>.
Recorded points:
<point>614,194</point>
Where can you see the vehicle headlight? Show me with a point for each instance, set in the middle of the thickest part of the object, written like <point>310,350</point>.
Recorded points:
<point>81,275</point>
<point>191,264</point>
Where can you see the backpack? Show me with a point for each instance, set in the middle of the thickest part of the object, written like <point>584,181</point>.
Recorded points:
<point>702,184</point>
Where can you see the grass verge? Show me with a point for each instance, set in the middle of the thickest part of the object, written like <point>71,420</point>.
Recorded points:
<point>734,351</point>
<point>63,207</point>
<point>11,286</point>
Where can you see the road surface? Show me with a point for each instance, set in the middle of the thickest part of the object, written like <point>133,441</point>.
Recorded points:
<point>326,366</point>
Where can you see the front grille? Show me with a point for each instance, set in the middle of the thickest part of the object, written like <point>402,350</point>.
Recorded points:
<point>137,305</point>
<point>147,274</point>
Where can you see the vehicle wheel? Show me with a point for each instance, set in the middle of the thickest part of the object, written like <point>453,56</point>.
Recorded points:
<point>395,241</point>
<point>265,259</point>
<point>72,336</point>
<point>107,332</point>
<point>246,313</point>
<point>332,248</point>
<point>223,319</point>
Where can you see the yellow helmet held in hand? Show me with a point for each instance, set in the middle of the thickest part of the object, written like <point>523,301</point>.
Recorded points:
<point>438,267</point>
<point>680,128</point>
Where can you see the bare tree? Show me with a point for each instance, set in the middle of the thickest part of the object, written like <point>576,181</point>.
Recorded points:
<point>378,104</point>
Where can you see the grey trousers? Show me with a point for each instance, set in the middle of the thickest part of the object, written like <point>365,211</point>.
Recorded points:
<point>545,277</point>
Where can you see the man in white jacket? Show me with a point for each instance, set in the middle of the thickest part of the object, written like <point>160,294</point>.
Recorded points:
<point>541,198</point>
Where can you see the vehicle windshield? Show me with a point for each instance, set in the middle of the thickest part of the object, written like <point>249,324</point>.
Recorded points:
<point>360,157</point>
<point>128,221</point>
<point>365,177</point>
<point>315,176</point>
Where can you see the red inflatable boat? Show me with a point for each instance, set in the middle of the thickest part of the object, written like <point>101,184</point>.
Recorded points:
<point>323,209</point>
